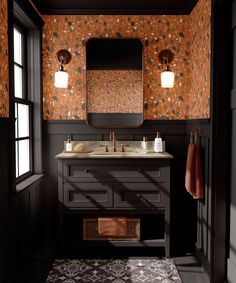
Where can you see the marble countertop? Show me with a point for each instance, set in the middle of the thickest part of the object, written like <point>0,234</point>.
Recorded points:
<point>97,151</point>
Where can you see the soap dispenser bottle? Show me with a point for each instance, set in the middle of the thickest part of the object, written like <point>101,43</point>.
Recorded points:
<point>68,146</point>
<point>158,147</point>
<point>144,144</point>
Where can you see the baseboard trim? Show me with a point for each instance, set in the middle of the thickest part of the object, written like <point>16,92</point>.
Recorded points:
<point>231,271</point>
<point>203,260</point>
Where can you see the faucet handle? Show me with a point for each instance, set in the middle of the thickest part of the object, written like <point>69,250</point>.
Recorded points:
<point>123,147</point>
<point>106,147</point>
<point>112,135</point>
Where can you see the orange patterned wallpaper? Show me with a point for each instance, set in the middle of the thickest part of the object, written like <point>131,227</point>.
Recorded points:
<point>127,97</point>
<point>157,33</point>
<point>198,103</point>
<point>4,95</point>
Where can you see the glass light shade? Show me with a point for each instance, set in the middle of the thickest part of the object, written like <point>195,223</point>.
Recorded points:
<point>167,79</point>
<point>61,79</point>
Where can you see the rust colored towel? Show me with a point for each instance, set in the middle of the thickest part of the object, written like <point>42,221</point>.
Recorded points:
<point>193,176</point>
<point>112,226</point>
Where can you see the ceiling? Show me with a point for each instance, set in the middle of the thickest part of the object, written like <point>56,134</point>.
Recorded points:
<point>115,6</point>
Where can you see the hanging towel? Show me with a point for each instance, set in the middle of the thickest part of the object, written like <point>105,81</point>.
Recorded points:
<point>193,175</point>
<point>112,226</point>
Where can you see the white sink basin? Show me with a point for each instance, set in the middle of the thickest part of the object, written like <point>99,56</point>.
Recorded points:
<point>111,153</point>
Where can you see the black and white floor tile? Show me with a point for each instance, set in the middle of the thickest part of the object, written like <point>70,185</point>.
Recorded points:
<point>115,271</point>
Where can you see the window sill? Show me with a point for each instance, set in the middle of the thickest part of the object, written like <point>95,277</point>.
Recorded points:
<point>28,182</point>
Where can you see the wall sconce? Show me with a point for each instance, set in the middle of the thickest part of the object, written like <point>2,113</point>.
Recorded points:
<point>167,77</point>
<point>61,76</point>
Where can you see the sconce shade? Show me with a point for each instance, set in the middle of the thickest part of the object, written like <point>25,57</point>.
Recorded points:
<point>167,79</point>
<point>61,79</point>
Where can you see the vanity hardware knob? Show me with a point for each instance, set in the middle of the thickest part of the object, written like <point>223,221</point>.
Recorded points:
<point>86,171</point>
<point>106,147</point>
<point>140,196</point>
<point>140,170</point>
<point>123,147</point>
<point>87,196</point>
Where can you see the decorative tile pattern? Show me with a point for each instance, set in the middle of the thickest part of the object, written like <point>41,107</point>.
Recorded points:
<point>115,91</point>
<point>117,271</point>
<point>198,105</point>
<point>4,95</point>
<point>184,35</point>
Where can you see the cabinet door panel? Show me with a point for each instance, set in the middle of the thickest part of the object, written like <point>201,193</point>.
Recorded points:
<point>83,195</point>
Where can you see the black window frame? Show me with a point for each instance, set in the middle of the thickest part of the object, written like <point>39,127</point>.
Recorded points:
<point>24,100</point>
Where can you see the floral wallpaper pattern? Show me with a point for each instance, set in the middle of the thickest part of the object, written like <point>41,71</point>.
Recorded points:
<point>4,95</point>
<point>157,33</point>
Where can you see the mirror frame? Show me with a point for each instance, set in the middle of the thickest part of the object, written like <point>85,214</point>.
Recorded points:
<point>86,102</point>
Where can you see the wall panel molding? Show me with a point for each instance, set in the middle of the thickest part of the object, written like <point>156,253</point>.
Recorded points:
<point>233,99</point>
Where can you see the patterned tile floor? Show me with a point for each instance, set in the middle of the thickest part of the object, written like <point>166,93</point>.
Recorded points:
<point>114,270</point>
<point>37,269</point>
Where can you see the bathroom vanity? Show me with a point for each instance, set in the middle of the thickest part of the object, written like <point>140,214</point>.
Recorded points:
<point>131,186</point>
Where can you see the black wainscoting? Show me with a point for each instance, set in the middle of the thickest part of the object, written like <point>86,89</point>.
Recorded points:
<point>6,249</point>
<point>231,261</point>
<point>20,213</point>
<point>175,133</point>
<point>204,207</point>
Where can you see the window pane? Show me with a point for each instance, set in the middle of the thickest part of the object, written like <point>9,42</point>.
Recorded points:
<point>17,46</point>
<point>17,169</point>
<point>23,120</point>
<point>18,81</point>
<point>24,162</point>
<point>16,122</point>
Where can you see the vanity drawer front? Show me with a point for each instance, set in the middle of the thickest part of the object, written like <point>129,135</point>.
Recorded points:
<point>139,196</point>
<point>83,171</point>
<point>118,170</point>
<point>85,195</point>
<point>143,173</point>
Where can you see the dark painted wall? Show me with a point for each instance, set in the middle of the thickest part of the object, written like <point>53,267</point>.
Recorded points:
<point>6,250</point>
<point>184,208</point>
<point>20,213</point>
<point>204,207</point>
<point>232,241</point>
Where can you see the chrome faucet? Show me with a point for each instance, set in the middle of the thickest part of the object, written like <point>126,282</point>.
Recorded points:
<point>113,139</point>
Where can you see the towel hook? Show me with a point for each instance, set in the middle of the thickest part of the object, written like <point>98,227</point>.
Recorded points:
<point>191,138</point>
<point>196,133</point>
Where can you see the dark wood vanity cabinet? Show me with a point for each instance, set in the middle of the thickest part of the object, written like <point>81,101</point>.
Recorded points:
<point>115,187</point>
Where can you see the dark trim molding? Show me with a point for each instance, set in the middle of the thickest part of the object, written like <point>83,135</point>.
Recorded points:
<point>116,12</point>
<point>79,10</point>
<point>29,11</point>
<point>62,127</point>
<point>220,142</point>
<point>191,6</point>
<point>10,59</point>
<point>233,99</point>
<point>202,259</point>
